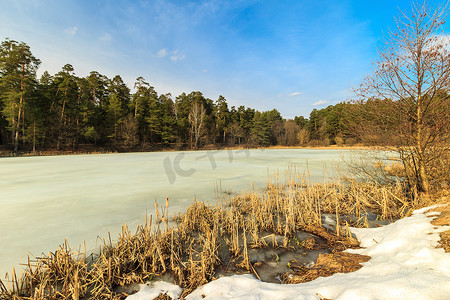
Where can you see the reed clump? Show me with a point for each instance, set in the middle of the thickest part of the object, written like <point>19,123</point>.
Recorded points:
<point>209,238</point>
<point>326,265</point>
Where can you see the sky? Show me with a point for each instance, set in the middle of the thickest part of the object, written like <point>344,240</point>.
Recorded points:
<point>292,55</point>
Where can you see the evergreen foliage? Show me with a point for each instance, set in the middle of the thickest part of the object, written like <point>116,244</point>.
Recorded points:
<point>67,112</point>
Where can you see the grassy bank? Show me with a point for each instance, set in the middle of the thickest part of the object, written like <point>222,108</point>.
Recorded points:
<point>207,241</point>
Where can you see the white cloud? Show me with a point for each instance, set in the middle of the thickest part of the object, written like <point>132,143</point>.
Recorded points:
<point>173,55</point>
<point>106,37</point>
<point>294,94</point>
<point>176,56</point>
<point>71,30</point>
<point>439,40</point>
<point>163,52</point>
<point>320,102</point>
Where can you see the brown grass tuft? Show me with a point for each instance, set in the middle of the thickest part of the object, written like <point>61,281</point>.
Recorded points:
<point>326,265</point>
<point>443,220</point>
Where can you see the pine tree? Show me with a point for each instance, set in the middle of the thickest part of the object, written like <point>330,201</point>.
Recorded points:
<point>17,84</point>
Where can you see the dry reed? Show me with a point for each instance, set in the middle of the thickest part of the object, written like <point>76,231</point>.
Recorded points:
<point>206,237</point>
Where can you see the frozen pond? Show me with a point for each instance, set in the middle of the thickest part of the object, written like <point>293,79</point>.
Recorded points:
<point>44,200</point>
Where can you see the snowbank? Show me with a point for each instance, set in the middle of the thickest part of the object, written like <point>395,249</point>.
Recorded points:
<point>404,264</point>
<point>152,290</point>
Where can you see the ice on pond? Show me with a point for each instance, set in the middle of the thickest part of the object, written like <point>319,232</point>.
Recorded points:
<point>45,200</point>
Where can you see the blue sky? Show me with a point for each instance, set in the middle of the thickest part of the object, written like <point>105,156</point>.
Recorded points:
<point>291,55</point>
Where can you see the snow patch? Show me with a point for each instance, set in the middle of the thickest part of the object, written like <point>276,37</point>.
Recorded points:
<point>152,290</point>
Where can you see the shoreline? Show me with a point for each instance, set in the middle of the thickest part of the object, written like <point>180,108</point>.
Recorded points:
<point>4,153</point>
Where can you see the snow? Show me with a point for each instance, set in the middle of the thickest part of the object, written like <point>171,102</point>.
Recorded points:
<point>404,264</point>
<point>152,290</point>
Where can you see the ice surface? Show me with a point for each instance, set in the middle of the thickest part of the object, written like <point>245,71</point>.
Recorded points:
<point>45,200</point>
<point>404,264</point>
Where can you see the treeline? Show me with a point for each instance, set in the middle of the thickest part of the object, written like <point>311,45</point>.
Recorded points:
<point>67,112</point>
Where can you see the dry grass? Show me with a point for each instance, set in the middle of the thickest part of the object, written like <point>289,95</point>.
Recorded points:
<point>443,220</point>
<point>327,264</point>
<point>206,237</point>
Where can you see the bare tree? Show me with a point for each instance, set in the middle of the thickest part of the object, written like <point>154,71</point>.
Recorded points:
<point>409,104</point>
<point>236,133</point>
<point>303,137</point>
<point>128,132</point>
<point>291,130</point>
<point>196,119</point>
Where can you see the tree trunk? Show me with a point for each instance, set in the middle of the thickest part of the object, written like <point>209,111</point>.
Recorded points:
<point>34,137</point>
<point>16,140</point>
<point>77,134</point>
<point>17,127</point>
<point>423,182</point>
<point>190,137</point>
<point>115,127</point>
<point>23,125</point>
<point>60,134</point>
